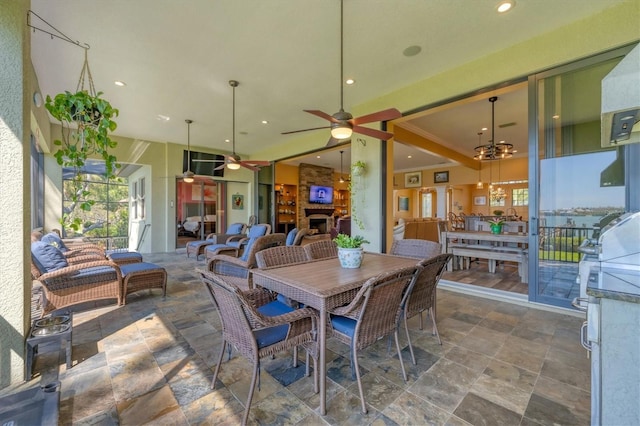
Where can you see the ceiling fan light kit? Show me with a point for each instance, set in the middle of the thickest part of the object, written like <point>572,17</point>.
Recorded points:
<point>342,123</point>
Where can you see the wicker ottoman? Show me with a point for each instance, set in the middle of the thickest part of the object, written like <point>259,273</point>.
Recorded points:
<point>142,276</point>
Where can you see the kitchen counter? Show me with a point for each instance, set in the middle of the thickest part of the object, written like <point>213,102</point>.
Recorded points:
<point>616,284</point>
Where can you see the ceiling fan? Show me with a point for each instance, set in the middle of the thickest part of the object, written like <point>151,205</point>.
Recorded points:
<point>342,123</point>
<point>233,161</point>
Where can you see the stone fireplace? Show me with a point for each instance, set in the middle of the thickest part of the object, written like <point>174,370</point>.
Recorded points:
<point>314,216</point>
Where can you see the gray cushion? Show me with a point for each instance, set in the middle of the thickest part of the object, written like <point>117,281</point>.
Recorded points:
<point>47,258</point>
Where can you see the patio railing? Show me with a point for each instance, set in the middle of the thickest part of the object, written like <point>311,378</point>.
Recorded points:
<point>111,243</point>
<point>561,243</point>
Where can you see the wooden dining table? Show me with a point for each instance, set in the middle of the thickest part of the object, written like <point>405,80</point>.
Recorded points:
<point>324,285</point>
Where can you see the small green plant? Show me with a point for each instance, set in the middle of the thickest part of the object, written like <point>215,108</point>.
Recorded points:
<point>345,241</point>
<point>86,121</point>
<point>496,222</point>
<point>358,168</point>
<point>498,212</point>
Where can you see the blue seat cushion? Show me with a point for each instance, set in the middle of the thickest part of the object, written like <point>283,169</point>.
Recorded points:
<point>200,243</point>
<point>212,248</point>
<point>291,236</point>
<point>271,335</point>
<point>257,231</point>
<point>121,255</point>
<point>53,239</point>
<point>343,325</point>
<point>47,258</point>
<point>137,267</point>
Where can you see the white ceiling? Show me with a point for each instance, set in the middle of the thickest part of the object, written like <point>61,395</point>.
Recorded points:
<point>177,58</point>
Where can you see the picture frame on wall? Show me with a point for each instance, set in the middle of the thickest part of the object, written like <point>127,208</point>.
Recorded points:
<point>237,202</point>
<point>441,177</point>
<point>480,201</point>
<point>403,204</point>
<point>413,180</point>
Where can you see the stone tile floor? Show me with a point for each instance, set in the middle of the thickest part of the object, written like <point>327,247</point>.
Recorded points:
<point>151,362</point>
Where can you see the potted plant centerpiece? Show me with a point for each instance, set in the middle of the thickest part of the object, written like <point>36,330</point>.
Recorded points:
<point>496,225</point>
<point>350,251</point>
<point>358,168</point>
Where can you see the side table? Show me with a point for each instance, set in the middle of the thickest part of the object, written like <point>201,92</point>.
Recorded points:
<point>57,328</point>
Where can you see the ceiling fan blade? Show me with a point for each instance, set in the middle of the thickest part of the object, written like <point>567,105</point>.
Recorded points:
<point>387,114</point>
<point>258,162</point>
<point>305,130</point>
<point>220,167</point>
<point>374,133</point>
<point>322,115</point>
<point>249,166</point>
<point>207,161</point>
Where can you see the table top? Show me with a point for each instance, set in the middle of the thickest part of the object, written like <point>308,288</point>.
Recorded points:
<point>507,237</point>
<point>325,278</point>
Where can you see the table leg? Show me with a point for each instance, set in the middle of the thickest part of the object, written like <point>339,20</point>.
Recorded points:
<point>322,368</point>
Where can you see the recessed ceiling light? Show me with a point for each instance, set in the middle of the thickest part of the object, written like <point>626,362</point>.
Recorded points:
<point>227,140</point>
<point>161,117</point>
<point>555,117</point>
<point>350,81</point>
<point>265,122</point>
<point>412,51</point>
<point>409,156</point>
<point>505,6</point>
<point>119,83</point>
<point>317,156</point>
<point>484,129</point>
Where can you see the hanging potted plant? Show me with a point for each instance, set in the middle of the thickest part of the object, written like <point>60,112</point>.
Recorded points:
<point>358,168</point>
<point>350,251</point>
<point>86,119</point>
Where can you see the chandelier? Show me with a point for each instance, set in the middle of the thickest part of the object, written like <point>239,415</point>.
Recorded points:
<point>492,150</point>
<point>497,195</point>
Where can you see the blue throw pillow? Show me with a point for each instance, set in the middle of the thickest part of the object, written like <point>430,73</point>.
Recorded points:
<point>291,236</point>
<point>235,228</point>
<point>47,258</point>
<point>53,239</point>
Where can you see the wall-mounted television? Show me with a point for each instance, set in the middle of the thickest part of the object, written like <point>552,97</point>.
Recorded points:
<point>320,194</point>
<point>205,168</point>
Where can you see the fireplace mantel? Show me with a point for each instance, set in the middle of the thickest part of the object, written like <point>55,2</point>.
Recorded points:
<point>321,211</point>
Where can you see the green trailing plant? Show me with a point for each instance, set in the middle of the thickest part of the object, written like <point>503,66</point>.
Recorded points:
<point>358,168</point>
<point>345,241</point>
<point>86,121</point>
<point>498,212</point>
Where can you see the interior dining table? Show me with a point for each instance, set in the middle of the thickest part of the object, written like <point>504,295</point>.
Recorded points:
<point>324,285</point>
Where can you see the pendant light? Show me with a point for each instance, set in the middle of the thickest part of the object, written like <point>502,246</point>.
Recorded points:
<point>480,185</point>
<point>341,178</point>
<point>188,175</point>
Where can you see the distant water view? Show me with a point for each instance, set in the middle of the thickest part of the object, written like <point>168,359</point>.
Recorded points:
<point>575,221</point>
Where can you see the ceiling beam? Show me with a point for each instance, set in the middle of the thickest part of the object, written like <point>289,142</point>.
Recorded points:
<point>408,137</point>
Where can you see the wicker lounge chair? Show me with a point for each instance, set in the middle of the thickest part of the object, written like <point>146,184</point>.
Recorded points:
<point>237,269</point>
<point>374,313</point>
<point>322,249</point>
<point>235,245</point>
<point>67,284</point>
<point>197,247</point>
<point>259,331</point>
<point>423,294</point>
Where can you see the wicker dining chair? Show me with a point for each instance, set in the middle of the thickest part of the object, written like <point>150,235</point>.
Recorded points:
<point>374,313</point>
<point>322,249</point>
<point>420,249</point>
<point>260,331</point>
<point>423,295</point>
<point>280,256</point>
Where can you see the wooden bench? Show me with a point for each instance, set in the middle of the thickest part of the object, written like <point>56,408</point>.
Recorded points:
<point>493,254</point>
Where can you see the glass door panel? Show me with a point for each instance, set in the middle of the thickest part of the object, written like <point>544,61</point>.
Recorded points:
<point>198,213</point>
<point>574,191</point>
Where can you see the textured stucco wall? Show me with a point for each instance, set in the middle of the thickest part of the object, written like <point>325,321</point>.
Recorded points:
<point>14,188</point>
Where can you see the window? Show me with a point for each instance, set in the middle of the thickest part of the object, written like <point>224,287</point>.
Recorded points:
<point>109,214</point>
<point>520,197</point>
<point>141,199</point>
<point>134,199</point>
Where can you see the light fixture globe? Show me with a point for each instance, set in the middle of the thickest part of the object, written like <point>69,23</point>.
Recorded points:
<point>188,176</point>
<point>341,130</point>
<point>233,162</point>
